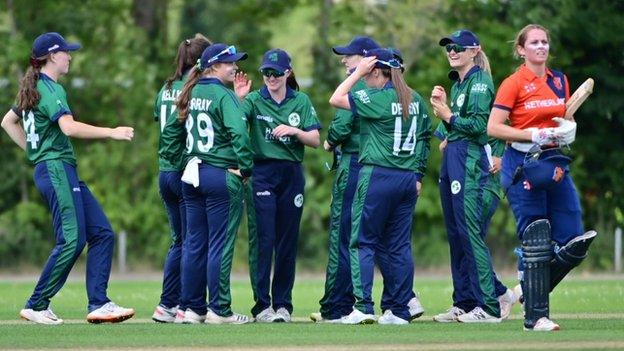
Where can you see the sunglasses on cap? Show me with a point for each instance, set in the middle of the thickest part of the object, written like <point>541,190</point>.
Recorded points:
<point>458,48</point>
<point>230,50</point>
<point>269,72</point>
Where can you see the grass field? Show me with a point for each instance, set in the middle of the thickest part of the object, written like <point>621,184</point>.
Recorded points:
<point>589,310</point>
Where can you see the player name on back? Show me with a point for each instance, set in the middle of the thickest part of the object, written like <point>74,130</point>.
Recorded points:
<point>171,95</point>
<point>197,104</point>
<point>397,109</point>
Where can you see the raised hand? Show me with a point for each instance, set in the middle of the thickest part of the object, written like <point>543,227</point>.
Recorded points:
<point>242,85</point>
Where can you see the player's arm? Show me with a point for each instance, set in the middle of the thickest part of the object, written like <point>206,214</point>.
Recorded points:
<point>340,128</point>
<point>423,138</point>
<point>75,129</point>
<point>340,97</point>
<point>11,124</point>
<point>236,126</point>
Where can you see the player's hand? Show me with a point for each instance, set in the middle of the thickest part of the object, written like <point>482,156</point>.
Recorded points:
<point>327,146</point>
<point>441,109</point>
<point>497,165</point>
<point>544,136</point>
<point>242,85</point>
<point>237,172</point>
<point>365,66</point>
<point>566,129</point>
<point>122,133</point>
<point>418,188</point>
<point>442,145</point>
<point>284,130</point>
<point>439,94</point>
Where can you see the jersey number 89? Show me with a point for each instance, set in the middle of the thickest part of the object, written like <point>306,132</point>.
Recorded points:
<point>205,133</point>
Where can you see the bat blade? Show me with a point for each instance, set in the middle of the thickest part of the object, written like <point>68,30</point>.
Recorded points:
<point>578,98</point>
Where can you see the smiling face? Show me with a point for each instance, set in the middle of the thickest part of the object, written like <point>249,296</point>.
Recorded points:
<point>535,48</point>
<point>459,60</point>
<point>274,83</point>
<point>225,71</point>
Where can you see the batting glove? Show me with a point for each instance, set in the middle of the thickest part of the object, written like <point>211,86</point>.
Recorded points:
<point>543,136</point>
<point>566,131</point>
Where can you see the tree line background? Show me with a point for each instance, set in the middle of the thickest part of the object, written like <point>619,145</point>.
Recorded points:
<point>128,47</point>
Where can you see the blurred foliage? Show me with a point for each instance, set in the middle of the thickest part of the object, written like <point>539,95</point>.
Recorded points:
<point>128,51</point>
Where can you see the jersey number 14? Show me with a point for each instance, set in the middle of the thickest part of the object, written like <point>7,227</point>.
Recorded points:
<point>410,141</point>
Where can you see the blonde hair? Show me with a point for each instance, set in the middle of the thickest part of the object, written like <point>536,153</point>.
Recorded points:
<point>482,61</point>
<point>521,37</point>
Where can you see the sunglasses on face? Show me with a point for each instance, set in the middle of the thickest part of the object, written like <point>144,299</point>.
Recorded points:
<point>230,50</point>
<point>268,72</point>
<point>455,47</point>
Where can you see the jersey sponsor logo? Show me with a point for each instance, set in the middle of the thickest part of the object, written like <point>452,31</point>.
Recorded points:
<point>170,95</point>
<point>479,88</point>
<point>76,189</point>
<point>268,136</point>
<point>265,118</point>
<point>298,200</point>
<point>263,193</point>
<point>362,96</point>
<point>197,104</point>
<point>397,109</point>
<point>529,105</point>
<point>455,187</point>
<point>294,119</point>
<point>460,100</point>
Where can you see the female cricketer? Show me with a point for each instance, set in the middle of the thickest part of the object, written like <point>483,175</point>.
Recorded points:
<point>282,121</point>
<point>171,146</point>
<point>469,186</point>
<point>77,216</point>
<point>218,159</point>
<point>394,149</point>
<point>541,193</point>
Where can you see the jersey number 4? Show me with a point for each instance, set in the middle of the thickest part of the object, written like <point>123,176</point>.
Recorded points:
<point>205,133</point>
<point>410,140</point>
<point>29,127</point>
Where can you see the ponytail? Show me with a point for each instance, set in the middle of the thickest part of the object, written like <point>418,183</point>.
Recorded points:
<point>482,61</point>
<point>189,51</point>
<point>291,81</point>
<point>185,95</point>
<point>403,91</point>
<point>28,97</point>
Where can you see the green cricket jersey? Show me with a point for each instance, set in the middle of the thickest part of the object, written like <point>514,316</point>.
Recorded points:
<point>172,132</point>
<point>264,114</point>
<point>216,128</point>
<point>344,129</point>
<point>471,102</point>
<point>386,139</point>
<point>44,138</point>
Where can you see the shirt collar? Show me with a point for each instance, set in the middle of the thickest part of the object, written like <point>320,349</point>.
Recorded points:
<point>388,85</point>
<point>210,81</point>
<point>45,76</point>
<point>264,92</point>
<point>529,75</point>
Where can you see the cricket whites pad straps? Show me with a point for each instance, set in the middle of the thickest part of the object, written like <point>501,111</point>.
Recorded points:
<point>536,255</point>
<point>569,256</point>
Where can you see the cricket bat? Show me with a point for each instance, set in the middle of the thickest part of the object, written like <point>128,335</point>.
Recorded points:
<point>578,98</point>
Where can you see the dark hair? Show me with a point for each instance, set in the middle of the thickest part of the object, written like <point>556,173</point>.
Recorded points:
<point>291,81</point>
<point>28,96</point>
<point>404,92</point>
<point>189,51</point>
<point>183,100</point>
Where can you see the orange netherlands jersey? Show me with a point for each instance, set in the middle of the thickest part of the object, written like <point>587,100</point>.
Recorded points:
<point>533,101</point>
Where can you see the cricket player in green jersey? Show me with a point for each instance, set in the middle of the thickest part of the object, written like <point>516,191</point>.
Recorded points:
<point>78,218</point>
<point>469,182</point>
<point>282,121</point>
<point>394,149</point>
<point>171,147</point>
<point>219,158</point>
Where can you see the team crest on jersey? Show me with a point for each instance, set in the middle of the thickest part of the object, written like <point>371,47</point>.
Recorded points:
<point>294,119</point>
<point>460,100</point>
<point>455,187</point>
<point>557,82</point>
<point>299,200</point>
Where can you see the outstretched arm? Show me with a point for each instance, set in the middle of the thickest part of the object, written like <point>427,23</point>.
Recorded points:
<point>75,129</point>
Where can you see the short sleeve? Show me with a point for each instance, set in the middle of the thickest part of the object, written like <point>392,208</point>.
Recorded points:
<point>309,118</point>
<point>54,105</point>
<point>506,95</point>
<point>367,103</point>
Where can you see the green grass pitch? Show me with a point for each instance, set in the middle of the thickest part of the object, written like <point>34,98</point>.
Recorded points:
<point>590,312</point>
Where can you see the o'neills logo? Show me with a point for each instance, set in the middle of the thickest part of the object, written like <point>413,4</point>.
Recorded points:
<point>263,193</point>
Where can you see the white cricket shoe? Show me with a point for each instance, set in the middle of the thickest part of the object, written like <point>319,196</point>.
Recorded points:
<point>316,317</point>
<point>190,317</point>
<point>163,314</point>
<point>449,316</point>
<point>415,308</point>
<point>235,318</point>
<point>282,315</point>
<point>389,318</point>
<point>179,318</point>
<point>110,313</point>
<point>478,315</point>
<point>357,317</point>
<point>266,316</point>
<point>544,324</point>
<point>40,317</point>
<point>506,302</point>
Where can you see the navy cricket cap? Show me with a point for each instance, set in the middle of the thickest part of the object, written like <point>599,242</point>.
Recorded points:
<point>462,37</point>
<point>358,46</point>
<point>220,52</point>
<point>385,58</point>
<point>276,59</point>
<point>48,43</point>
<point>397,54</point>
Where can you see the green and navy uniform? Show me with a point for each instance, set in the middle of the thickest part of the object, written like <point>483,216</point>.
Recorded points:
<point>394,152</point>
<point>276,196</point>
<point>469,192</point>
<point>77,216</point>
<point>170,151</point>
<point>217,135</point>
